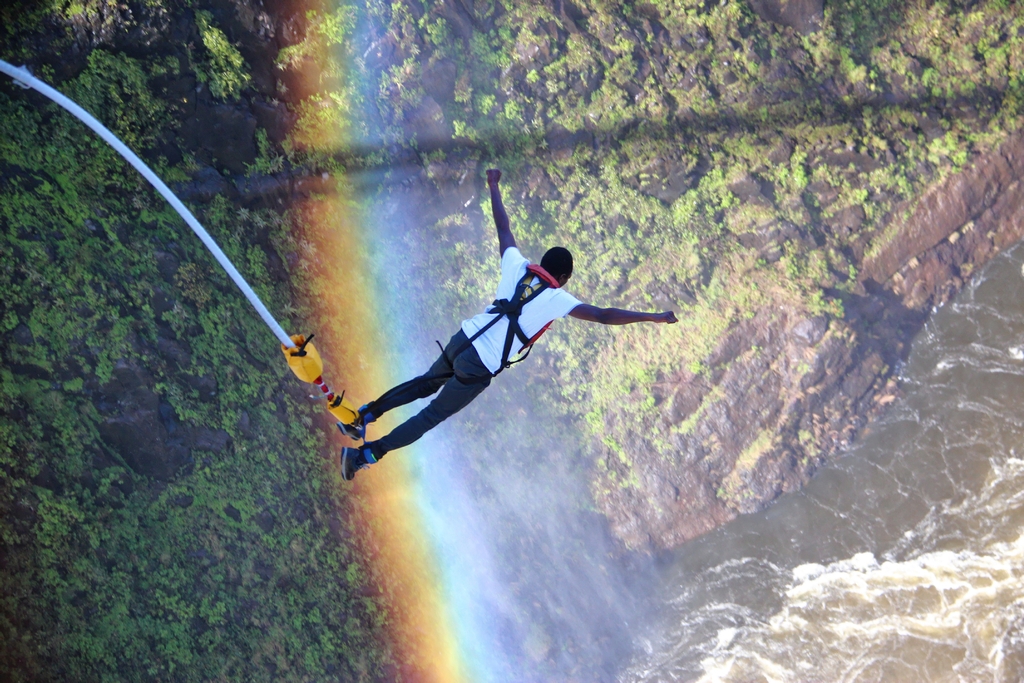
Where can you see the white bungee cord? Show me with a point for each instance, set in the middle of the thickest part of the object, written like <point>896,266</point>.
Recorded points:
<point>23,78</point>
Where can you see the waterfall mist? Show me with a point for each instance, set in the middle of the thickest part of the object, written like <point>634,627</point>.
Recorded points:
<point>537,587</point>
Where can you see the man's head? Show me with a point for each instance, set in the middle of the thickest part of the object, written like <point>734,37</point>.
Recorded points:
<point>558,262</point>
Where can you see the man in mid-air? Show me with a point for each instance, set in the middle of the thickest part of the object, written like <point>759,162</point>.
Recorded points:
<point>529,298</point>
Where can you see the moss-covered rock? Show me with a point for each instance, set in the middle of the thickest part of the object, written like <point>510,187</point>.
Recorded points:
<point>168,508</point>
<point>757,166</point>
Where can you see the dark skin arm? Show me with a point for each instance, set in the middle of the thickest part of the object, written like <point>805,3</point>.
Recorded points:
<point>505,238</point>
<point>618,316</point>
<point>605,316</point>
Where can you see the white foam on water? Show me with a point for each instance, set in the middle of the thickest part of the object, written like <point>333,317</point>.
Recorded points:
<point>768,670</point>
<point>725,637</point>
<point>936,491</point>
<point>806,572</point>
<point>942,615</point>
<point>958,606</point>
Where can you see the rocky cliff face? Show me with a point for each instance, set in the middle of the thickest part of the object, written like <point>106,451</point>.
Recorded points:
<point>788,391</point>
<point>803,181</point>
<point>159,480</point>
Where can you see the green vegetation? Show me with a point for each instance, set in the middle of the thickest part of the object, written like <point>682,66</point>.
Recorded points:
<point>236,566</point>
<point>669,144</point>
<point>224,70</point>
<point>735,486</point>
<point>331,112</point>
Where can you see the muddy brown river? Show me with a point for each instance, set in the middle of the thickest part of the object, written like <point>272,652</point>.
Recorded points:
<point>901,561</point>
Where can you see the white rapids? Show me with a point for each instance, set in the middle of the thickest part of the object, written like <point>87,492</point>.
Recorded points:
<point>904,560</point>
<point>942,615</point>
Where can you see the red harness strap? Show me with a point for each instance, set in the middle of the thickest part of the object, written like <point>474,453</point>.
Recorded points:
<point>553,283</point>
<point>543,275</point>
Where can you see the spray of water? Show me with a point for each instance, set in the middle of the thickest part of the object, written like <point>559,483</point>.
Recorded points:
<point>940,615</point>
<point>537,588</point>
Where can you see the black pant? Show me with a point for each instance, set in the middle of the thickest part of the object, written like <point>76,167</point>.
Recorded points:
<point>460,378</point>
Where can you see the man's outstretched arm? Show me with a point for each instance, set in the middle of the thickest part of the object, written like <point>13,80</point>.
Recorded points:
<point>618,316</point>
<point>505,238</point>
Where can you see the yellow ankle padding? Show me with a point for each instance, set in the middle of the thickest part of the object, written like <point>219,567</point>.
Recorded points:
<point>306,367</point>
<point>342,410</point>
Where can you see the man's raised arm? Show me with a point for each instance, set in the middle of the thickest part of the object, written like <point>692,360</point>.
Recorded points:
<point>618,316</point>
<point>505,238</point>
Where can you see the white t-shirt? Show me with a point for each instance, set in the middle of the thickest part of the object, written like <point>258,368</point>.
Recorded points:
<point>549,305</point>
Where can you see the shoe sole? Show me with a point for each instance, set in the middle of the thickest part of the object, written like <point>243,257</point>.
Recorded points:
<point>351,431</point>
<point>345,454</point>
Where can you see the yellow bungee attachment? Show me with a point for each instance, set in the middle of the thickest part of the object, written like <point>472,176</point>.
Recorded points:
<point>304,359</point>
<point>341,409</point>
<point>305,362</point>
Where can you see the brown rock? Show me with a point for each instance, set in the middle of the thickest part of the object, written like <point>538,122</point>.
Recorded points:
<point>809,332</point>
<point>134,427</point>
<point>990,183</point>
<point>427,123</point>
<point>144,430</point>
<point>783,390</point>
<point>439,80</point>
<point>803,15</point>
<point>562,142</point>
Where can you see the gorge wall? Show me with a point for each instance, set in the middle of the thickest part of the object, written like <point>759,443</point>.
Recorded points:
<point>801,181</point>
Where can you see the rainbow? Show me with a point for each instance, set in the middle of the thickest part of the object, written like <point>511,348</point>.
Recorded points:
<point>423,548</point>
<point>423,540</point>
<point>384,503</point>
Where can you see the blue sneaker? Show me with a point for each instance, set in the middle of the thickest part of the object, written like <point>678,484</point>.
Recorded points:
<point>357,430</point>
<point>353,460</point>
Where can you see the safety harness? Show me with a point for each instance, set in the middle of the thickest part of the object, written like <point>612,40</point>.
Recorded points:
<point>511,308</point>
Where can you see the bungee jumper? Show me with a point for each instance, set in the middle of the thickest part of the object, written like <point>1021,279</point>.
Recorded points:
<point>529,299</point>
